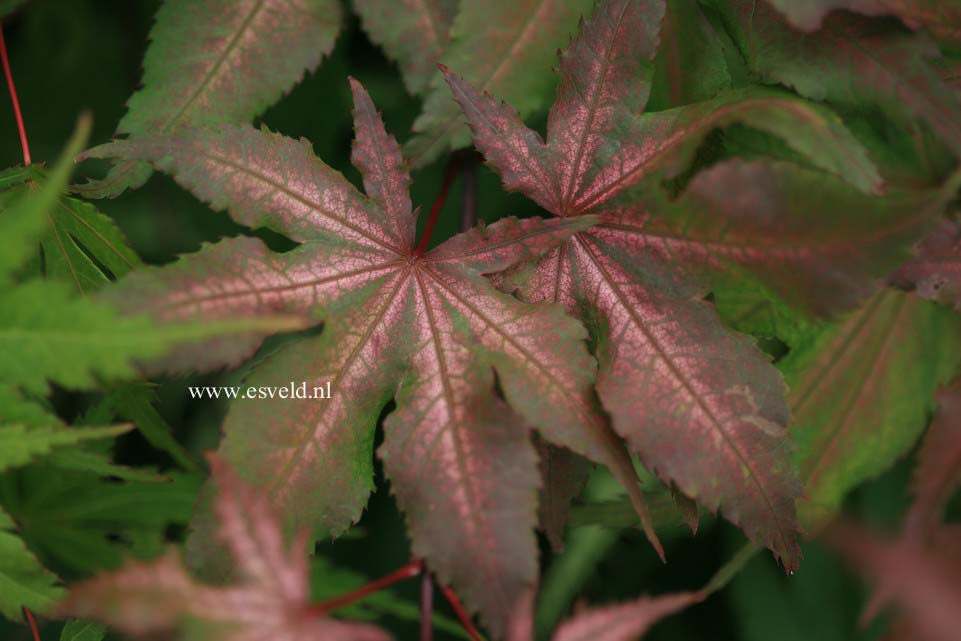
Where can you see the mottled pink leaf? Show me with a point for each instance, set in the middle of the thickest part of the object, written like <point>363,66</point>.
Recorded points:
<point>602,81</point>
<point>268,600</point>
<point>428,329</point>
<point>214,61</point>
<point>702,406</point>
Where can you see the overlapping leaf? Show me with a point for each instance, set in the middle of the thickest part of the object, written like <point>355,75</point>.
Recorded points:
<point>851,61</point>
<point>700,405</point>
<point>940,17</point>
<point>84,522</point>
<point>511,56</point>
<point>215,61</point>
<point>415,33</point>
<point>269,600</point>
<point>459,459</point>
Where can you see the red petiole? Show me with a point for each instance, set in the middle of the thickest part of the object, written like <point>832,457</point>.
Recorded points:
<point>413,569</point>
<point>409,571</point>
<point>449,174</point>
<point>25,147</point>
<point>33,624</point>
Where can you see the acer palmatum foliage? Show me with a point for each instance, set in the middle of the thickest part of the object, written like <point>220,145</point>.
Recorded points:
<point>428,329</point>
<point>268,598</point>
<point>701,405</point>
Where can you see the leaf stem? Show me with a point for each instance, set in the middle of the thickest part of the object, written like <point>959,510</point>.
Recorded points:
<point>25,147</point>
<point>409,571</point>
<point>33,624</point>
<point>461,612</point>
<point>426,607</point>
<point>449,174</point>
<point>468,207</point>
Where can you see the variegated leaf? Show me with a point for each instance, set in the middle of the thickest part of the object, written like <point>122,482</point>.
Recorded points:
<point>511,56</point>
<point>426,327</point>
<point>215,61</point>
<point>414,33</point>
<point>701,405</point>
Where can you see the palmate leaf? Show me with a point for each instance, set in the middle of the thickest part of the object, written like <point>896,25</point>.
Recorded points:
<point>511,56</point>
<point>415,33</point>
<point>851,61</point>
<point>941,17</point>
<point>855,412</point>
<point>25,218</point>
<point>48,334</point>
<point>24,582</point>
<point>269,600</point>
<point>79,244</point>
<point>213,61</point>
<point>702,406</point>
<point>426,329</point>
<point>83,522</point>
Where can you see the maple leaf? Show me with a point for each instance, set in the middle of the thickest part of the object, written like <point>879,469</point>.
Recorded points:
<point>212,61</point>
<point>935,272</point>
<point>854,411</point>
<point>269,599</point>
<point>621,622</point>
<point>415,33</point>
<point>511,56</point>
<point>943,19</point>
<point>24,582</point>
<point>702,406</point>
<point>852,61</point>
<point>799,234</point>
<point>459,460</point>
